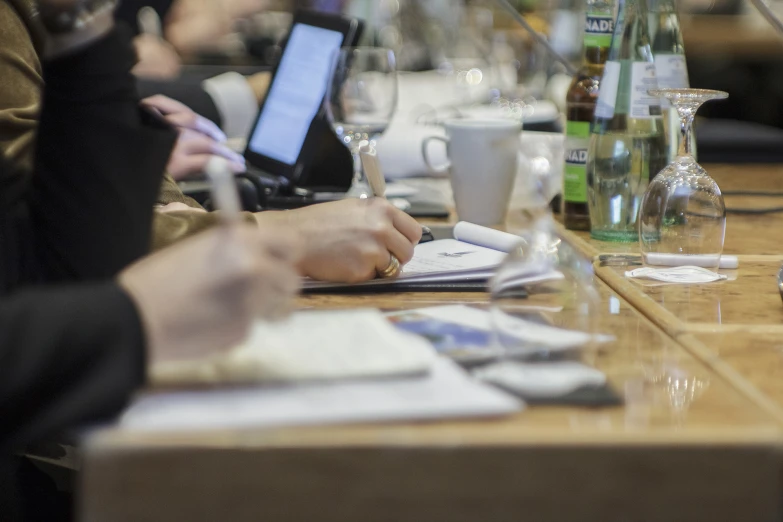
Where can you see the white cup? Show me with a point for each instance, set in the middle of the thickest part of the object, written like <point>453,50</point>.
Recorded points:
<point>482,165</point>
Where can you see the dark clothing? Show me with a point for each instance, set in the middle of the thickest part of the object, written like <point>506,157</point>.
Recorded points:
<point>71,353</point>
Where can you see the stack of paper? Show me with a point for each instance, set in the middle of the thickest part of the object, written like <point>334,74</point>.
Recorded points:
<point>446,392</point>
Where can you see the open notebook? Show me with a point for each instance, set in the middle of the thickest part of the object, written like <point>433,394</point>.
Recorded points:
<point>473,255</point>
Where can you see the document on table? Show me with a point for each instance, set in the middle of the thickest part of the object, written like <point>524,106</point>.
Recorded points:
<point>446,392</point>
<point>449,256</point>
<point>309,345</point>
<point>473,254</point>
<point>532,336</point>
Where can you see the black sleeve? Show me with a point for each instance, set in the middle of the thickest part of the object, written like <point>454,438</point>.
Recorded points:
<point>99,164</point>
<point>185,90</point>
<point>67,356</point>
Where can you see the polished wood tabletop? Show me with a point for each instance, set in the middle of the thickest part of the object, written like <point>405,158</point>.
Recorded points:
<point>755,234</point>
<point>696,439</point>
<point>748,299</point>
<point>688,444</point>
<point>734,325</point>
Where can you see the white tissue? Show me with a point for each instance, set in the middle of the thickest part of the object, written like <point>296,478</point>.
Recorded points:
<point>680,274</point>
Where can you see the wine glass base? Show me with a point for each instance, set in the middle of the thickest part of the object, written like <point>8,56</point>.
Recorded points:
<point>359,190</point>
<point>615,236</point>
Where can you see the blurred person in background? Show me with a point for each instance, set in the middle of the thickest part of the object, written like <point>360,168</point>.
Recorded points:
<point>349,240</point>
<point>78,329</point>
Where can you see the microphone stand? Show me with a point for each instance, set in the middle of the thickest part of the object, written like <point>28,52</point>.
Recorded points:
<point>768,15</point>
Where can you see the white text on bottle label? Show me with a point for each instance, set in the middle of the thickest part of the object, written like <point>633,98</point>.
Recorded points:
<point>643,79</point>
<point>672,72</point>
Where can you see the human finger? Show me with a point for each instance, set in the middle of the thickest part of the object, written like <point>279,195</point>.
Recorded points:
<point>193,121</point>
<point>397,244</point>
<point>406,225</point>
<point>164,104</point>
<point>180,115</point>
<point>195,143</point>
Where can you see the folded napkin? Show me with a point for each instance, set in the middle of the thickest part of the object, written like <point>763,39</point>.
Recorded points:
<point>679,274</point>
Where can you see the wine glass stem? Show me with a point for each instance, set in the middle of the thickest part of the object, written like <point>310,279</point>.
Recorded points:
<point>686,122</point>
<point>357,166</point>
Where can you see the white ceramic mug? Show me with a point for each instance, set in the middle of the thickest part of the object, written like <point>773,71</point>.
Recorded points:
<point>482,165</point>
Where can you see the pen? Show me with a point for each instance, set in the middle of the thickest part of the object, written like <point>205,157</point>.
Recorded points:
<point>224,191</point>
<point>377,183</point>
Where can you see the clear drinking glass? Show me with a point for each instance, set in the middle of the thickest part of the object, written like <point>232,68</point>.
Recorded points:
<point>543,282</point>
<point>360,100</point>
<point>682,214</point>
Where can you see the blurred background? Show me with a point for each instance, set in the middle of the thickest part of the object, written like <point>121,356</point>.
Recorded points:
<point>728,46</point>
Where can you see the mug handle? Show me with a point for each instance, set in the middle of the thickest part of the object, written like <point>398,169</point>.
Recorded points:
<point>441,168</point>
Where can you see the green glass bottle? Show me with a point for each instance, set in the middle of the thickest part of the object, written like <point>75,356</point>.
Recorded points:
<point>627,145</point>
<point>581,98</point>
<point>670,66</point>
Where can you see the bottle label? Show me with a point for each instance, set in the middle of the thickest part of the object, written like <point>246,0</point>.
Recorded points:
<point>577,140</point>
<point>672,73</point>
<point>598,31</point>
<point>643,78</point>
<point>607,90</point>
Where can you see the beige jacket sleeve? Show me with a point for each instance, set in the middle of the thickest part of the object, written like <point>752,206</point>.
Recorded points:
<point>170,227</point>
<point>21,84</point>
<point>21,81</point>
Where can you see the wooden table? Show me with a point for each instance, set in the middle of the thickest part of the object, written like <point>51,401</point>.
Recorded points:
<point>697,439</point>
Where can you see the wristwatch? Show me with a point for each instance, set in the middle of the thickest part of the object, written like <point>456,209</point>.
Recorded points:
<point>76,18</point>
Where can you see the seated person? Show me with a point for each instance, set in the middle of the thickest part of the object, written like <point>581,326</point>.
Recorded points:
<point>164,28</point>
<point>73,351</point>
<point>347,241</point>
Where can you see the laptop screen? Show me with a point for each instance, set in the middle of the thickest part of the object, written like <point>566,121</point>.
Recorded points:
<point>296,94</point>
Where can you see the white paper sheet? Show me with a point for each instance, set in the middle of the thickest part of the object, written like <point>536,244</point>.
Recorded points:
<point>450,255</point>
<point>309,345</point>
<point>446,392</point>
<point>485,236</point>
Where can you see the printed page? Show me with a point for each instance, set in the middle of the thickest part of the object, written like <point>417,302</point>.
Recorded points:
<point>450,256</point>
<point>446,392</point>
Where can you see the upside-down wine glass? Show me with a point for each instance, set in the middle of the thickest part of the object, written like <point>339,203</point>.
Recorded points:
<point>682,220</point>
<point>360,100</point>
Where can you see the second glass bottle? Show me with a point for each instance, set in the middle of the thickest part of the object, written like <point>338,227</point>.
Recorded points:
<point>627,144</point>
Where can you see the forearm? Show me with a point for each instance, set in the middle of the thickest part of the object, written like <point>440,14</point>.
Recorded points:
<point>69,356</point>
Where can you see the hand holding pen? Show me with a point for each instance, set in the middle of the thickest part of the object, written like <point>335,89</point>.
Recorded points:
<point>377,183</point>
